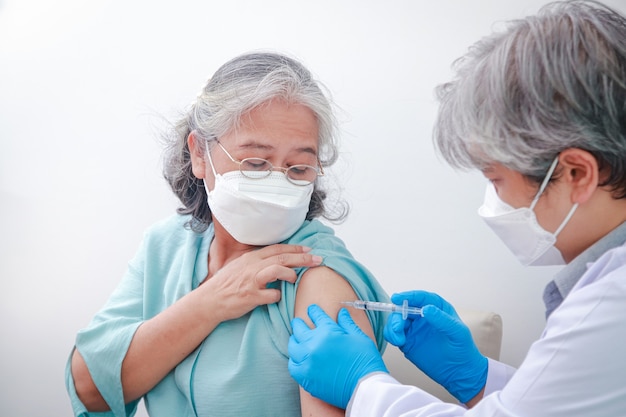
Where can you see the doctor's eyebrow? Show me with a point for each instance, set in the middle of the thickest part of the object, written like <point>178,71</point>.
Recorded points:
<point>487,169</point>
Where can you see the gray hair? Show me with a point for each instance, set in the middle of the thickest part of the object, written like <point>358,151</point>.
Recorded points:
<point>237,87</point>
<point>549,82</point>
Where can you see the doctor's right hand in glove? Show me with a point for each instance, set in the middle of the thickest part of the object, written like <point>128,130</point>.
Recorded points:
<point>439,344</point>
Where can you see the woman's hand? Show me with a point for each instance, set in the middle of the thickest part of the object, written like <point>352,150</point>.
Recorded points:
<point>161,342</point>
<point>242,284</point>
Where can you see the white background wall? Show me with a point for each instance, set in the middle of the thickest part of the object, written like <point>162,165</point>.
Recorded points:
<point>82,87</point>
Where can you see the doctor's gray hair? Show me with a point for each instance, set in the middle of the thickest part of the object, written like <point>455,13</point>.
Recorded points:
<point>237,87</point>
<point>548,82</point>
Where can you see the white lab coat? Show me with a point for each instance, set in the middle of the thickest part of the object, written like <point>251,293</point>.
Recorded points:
<point>576,369</point>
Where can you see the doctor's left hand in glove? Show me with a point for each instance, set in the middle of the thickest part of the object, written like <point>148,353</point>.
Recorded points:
<point>329,360</point>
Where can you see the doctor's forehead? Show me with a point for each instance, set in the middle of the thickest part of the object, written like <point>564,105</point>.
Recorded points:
<point>495,168</point>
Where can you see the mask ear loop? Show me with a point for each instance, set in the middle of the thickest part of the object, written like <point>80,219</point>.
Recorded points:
<point>569,216</point>
<point>543,186</point>
<point>208,154</point>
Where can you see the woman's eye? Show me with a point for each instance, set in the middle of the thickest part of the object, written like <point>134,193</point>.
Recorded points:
<point>302,173</point>
<point>298,170</point>
<point>255,164</point>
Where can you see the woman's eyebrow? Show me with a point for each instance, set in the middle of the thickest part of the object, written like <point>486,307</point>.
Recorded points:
<point>307,150</point>
<point>266,147</point>
<point>256,145</point>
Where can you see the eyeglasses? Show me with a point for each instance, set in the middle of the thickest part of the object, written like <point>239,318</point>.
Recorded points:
<point>257,168</point>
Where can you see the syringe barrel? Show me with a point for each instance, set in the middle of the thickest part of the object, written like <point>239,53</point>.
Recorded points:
<point>374,305</point>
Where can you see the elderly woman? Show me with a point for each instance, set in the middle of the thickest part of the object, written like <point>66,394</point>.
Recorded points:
<point>200,323</point>
<point>540,109</point>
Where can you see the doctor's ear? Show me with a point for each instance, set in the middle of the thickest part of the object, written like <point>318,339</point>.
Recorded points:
<point>197,153</point>
<point>579,170</point>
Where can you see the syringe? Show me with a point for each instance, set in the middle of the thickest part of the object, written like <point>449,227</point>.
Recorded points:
<point>394,308</point>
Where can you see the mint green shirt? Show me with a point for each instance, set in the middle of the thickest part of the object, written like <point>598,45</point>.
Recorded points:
<point>240,369</point>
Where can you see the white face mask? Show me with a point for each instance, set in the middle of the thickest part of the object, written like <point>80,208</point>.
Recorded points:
<point>260,211</point>
<point>519,229</point>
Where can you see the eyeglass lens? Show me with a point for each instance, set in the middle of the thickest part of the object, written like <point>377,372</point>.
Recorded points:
<point>259,168</point>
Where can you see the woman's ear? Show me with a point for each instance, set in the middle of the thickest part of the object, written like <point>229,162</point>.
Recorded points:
<point>580,170</point>
<point>197,154</point>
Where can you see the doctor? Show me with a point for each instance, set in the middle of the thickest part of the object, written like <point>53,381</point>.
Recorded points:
<point>540,109</point>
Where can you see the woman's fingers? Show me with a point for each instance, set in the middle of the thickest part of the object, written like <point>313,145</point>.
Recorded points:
<point>276,262</point>
<point>273,273</point>
<point>280,248</point>
<point>243,284</point>
<point>287,255</point>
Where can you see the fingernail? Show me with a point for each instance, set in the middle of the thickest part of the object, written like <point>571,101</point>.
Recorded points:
<point>306,249</point>
<point>317,259</point>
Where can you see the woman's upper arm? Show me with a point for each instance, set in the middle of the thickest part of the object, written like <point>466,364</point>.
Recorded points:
<point>326,288</point>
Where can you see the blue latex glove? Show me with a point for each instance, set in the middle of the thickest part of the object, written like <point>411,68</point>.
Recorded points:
<point>329,360</point>
<point>439,344</point>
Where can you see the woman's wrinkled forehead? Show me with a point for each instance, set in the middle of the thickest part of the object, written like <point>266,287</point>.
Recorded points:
<point>276,124</point>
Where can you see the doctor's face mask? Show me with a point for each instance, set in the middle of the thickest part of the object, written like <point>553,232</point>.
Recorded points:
<point>258,211</point>
<point>519,229</point>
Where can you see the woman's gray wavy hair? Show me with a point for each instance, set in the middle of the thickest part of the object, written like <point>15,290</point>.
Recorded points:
<point>237,87</point>
<point>549,82</point>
